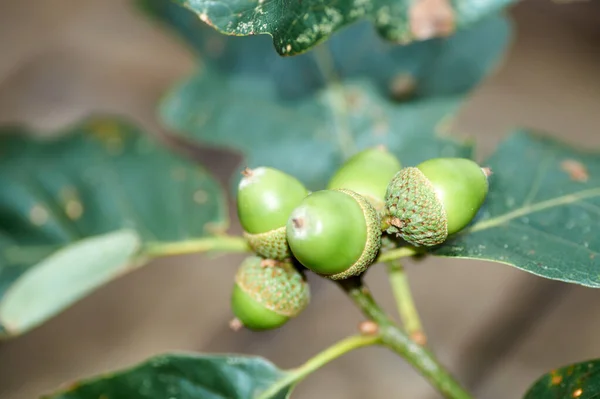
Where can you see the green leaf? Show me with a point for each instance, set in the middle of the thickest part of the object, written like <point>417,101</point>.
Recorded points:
<point>542,214</point>
<point>281,112</point>
<point>297,26</point>
<point>183,377</point>
<point>76,211</point>
<point>579,381</point>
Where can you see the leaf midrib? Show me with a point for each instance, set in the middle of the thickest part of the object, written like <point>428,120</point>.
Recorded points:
<point>537,207</point>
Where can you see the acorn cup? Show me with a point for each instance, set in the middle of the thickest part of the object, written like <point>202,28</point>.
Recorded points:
<point>335,233</point>
<point>267,293</point>
<point>437,198</point>
<point>266,197</point>
<point>367,173</point>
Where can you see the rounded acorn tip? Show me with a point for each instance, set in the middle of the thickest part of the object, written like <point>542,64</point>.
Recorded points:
<point>298,222</point>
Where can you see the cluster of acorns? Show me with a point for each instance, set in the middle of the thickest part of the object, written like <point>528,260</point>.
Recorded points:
<point>337,232</point>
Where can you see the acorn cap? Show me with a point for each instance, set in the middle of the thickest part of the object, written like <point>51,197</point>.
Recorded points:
<point>266,196</point>
<point>278,287</point>
<point>367,173</point>
<point>270,245</point>
<point>437,198</point>
<point>335,233</point>
<point>416,213</point>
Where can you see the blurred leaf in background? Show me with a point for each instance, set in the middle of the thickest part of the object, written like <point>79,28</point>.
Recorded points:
<point>307,113</point>
<point>75,212</point>
<point>183,377</point>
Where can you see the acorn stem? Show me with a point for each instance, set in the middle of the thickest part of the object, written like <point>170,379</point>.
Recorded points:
<point>385,222</point>
<point>398,253</point>
<point>336,350</point>
<point>396,340</point>
<point>247,172</point>
<point>405,303</point>
<point>220,243</point>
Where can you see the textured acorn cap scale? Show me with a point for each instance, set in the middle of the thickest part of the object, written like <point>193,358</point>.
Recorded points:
<point>415,210</point>
<point>335,233</point>
<point>271,245</point>
<point>267,293</point>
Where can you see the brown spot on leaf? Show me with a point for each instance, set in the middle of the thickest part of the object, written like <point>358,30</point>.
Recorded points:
<point>354,99</point>
<point>74,209</point>
<point>531,252</point>
<point>72,386</point>
<point>368,327</point>
<point>431,18</point>
<point>403,87</point>
<point>555,378</point>
<point>575,169</point>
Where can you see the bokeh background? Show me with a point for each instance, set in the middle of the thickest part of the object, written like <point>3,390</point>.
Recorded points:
<point>497,328</point>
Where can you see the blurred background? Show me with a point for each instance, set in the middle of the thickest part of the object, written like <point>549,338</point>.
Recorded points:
<point>497,328</point>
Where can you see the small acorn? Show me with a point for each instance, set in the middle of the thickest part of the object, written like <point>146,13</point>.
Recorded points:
<point>367,173</point>
<point>335,233</point>
<point>266,197</point>
<point>435,199</point>
<point>267,293</point>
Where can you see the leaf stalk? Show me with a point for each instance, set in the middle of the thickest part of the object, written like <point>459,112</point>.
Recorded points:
<point>221,243</point>
<point>333,352</point>
<point>405,302</point>
<point>396,340</point>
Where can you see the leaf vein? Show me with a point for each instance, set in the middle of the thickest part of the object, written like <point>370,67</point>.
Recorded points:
<point>537,207</point>
<point>552,236</point>
<point>541,171</point>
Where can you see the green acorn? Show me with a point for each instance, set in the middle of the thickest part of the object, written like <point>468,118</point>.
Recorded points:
<point>268,293</point>
<point>437,198</point>
<point>335,233</point>
<point>367,173</point>
<point>266,197</point>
